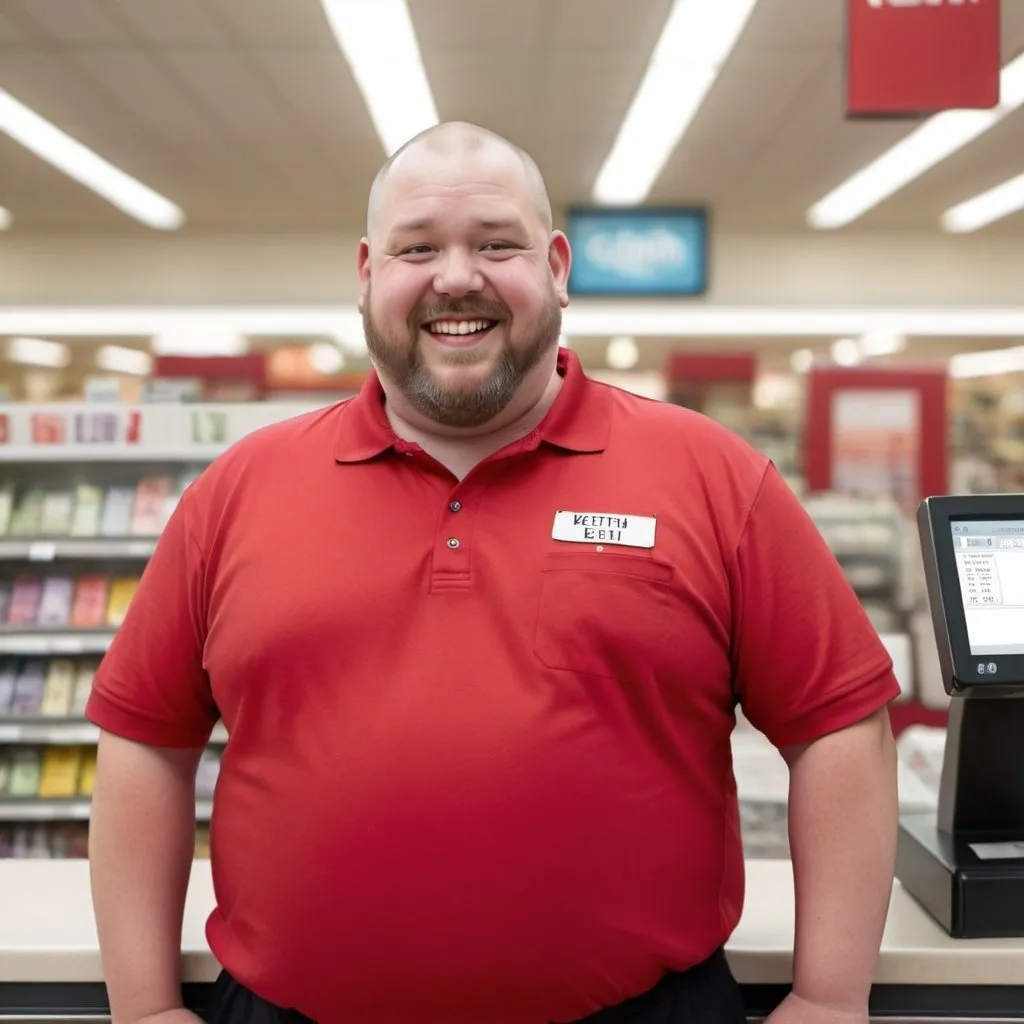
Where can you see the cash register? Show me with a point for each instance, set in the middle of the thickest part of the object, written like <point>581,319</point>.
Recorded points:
<point>965,863</point>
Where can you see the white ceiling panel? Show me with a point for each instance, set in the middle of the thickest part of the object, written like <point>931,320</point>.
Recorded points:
<point>275,23</point>
<point>446,25</point>
<point>174,23</point>
<point>74,22</point>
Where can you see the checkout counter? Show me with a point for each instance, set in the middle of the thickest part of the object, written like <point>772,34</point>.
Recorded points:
<point>954,941</point>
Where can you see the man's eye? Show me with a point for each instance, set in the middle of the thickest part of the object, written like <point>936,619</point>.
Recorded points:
<point>498,246</point>
<point>417,250</point>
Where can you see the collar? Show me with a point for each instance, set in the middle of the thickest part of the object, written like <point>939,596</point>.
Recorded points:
<point>579,420</point>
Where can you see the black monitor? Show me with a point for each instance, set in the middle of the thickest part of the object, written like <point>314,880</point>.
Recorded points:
<point>973,550</point>
<point>965,862</point>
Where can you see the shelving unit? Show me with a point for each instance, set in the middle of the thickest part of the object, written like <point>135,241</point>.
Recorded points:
<point>129,465</point>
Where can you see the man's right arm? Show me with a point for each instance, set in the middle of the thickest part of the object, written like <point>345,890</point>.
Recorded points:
<point>141,846</point>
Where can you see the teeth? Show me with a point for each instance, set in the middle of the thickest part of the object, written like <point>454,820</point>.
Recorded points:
<point>459,326</point>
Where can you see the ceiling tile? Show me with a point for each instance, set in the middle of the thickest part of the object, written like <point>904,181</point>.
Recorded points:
<point>77,22</point>
<point>178,22</point>
<point>447,25</point>
<point>276,23</point>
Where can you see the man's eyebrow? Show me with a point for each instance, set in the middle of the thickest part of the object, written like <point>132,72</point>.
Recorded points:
<point>409,227</point>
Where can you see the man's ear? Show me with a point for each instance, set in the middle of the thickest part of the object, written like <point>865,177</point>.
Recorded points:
<point>560,262</point>
<point>363,268</point>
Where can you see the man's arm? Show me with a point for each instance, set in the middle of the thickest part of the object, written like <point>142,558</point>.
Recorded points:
<point>141,846</point>
<point>843,822</point>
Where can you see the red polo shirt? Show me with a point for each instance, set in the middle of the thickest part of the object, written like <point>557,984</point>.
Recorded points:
<point>477,773</point>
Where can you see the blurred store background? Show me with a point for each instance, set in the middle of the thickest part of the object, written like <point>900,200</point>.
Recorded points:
<point>183,186</point>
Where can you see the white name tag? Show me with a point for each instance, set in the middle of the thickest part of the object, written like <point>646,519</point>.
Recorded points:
<point>605,528</point>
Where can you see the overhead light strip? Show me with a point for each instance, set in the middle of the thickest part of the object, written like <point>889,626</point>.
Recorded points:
<point>6,218</point>
<point>59,150</point>
<point>600,320</point>
<point>927,146</point>
<point>998,203</point>
<point>379,42</point>
<point>696,41</point>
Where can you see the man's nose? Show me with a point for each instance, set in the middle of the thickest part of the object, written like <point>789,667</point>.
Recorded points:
<point>458,274</point>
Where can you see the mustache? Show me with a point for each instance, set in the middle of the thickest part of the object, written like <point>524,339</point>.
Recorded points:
<point>482,309</point>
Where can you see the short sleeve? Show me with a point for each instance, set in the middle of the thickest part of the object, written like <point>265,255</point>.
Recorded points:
<point>151,686</point>
<point>807,661</point>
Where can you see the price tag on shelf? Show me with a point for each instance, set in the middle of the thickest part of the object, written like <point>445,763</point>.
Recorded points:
<point>140,549</point>
<point>67,645</point>
<point>10,733</point>
<point>42,551</point>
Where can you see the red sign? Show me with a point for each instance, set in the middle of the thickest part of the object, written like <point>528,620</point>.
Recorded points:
<point>909,57</point>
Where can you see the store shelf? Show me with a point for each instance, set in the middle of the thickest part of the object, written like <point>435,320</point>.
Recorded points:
<point>63,732</point>
<point>30,454</point>
<point>42,642</point>
<point>36,809</point>
<point>41,550</point>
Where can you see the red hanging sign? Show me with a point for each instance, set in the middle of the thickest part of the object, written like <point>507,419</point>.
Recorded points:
<point>907,57</point>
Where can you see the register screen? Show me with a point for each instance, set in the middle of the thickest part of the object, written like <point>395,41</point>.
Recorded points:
<point>990,562</point>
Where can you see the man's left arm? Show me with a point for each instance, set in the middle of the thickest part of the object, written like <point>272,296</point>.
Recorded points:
<point>843,821</point>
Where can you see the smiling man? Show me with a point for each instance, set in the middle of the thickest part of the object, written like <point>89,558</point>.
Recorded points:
<point>478,636</point>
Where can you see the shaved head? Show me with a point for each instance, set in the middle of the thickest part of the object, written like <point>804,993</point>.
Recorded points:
<point>454,139</point>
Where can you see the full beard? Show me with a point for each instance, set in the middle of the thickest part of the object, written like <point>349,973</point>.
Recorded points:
<point>399,359</point>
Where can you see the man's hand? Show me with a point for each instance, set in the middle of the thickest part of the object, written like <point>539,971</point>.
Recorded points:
<point>794,1010</point>
<point>169,1017</point>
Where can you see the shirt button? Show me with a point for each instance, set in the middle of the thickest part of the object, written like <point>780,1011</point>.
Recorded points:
<point>455,506</point>
<point>454,542</point>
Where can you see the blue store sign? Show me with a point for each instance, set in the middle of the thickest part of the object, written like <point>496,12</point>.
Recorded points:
<point>638,252</point>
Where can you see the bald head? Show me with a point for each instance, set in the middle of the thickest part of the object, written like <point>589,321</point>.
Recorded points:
<point>452,140</point>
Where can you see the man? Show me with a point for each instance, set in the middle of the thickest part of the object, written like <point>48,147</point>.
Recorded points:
<point>477,636</point>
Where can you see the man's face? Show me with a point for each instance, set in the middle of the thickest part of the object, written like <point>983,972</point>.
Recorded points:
<point>462,284</point>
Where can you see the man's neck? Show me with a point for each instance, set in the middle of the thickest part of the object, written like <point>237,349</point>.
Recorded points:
<point>459,453</point>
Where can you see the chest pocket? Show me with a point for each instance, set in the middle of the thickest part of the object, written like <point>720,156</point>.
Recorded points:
<point>605,614</point>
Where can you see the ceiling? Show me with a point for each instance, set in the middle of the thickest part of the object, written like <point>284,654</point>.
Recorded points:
<point>244,112</point>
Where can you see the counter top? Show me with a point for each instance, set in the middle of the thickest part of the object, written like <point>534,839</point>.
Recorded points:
<point>47,932</point>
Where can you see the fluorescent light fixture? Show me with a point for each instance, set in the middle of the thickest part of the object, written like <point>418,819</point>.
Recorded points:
<point>199,343</point>
<point>846,352</point>
<point>584,319</point>
<point>696,41</point>
<point>119,359</point>
<point>326,358</point>
<point>934,141</point>
<point>1000,202</point>
<point>379,42</point>
<point>622,353</point>
<point>6,219</point>
<point>38,352</point>
<point>49,143</point>
<point>987,364</point>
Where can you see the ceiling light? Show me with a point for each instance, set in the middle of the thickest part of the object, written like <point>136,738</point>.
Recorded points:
<point>564,342</point>
<point>326,358</point>
<point>882,343</point>
<point>987,364</point>
<point>38,352</point>
<point>622,353</point>
<point>379,42</point>
<point>846,352</point>
<point>999,202</point>
<point>935,140</point>
<point>6,219</point>
<point>697,39</point>
<point>801,361</point>
<point>118,359</point>
<point>49,143</point>
<point>199,343</point>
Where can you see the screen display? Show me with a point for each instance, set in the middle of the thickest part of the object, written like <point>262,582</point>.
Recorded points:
<point>990,564</point>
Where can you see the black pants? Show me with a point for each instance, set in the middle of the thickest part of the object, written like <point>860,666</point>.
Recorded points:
<point>705,994</point>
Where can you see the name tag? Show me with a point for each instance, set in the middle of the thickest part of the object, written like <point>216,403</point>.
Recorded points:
<point>603,528</point>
